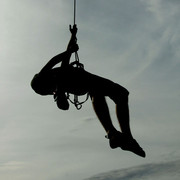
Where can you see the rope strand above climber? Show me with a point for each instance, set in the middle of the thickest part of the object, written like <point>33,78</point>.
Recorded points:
<point>74,12</point>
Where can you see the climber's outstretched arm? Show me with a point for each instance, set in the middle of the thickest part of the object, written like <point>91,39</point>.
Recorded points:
<point>72,45</point>
<point>73,39</point>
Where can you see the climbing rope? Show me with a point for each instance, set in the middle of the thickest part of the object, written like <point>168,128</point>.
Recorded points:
<point>76,53</point>
<point>74,12</point>
<point>79,65</point>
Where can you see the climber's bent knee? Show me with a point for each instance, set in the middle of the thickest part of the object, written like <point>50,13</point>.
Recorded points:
<point>119,94</point>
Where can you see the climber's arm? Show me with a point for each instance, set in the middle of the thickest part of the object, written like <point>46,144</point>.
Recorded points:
<point>65,56</point>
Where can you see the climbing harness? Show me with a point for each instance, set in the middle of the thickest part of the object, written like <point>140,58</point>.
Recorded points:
<point>76,64</point>
<point>76,102</point>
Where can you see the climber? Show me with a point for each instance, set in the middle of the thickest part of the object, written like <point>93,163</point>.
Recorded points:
<point>58,81</point>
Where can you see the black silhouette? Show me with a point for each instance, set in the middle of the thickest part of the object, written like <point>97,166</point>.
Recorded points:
<point>58,81</point>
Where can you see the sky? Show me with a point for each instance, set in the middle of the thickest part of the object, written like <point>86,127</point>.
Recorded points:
<point>135,43</point>
<point>162,170</point>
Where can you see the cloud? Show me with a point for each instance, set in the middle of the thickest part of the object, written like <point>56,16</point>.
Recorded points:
<point>161,171</point>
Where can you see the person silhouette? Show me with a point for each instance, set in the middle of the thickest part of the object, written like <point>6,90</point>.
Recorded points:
<point>58,81</point>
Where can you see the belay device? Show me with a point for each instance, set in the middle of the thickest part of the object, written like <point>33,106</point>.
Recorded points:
<point>76,64</point>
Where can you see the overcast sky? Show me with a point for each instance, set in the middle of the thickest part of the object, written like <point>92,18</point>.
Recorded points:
<point>163,170</point>
<point>135,43</point>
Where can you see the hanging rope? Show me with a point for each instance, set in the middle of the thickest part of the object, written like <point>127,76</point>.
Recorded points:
<point>76,53</point>
<point>74,12</point>
<point>77,64</point>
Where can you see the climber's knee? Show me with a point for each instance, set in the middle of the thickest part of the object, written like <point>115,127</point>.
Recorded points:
<point>119,94</point>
